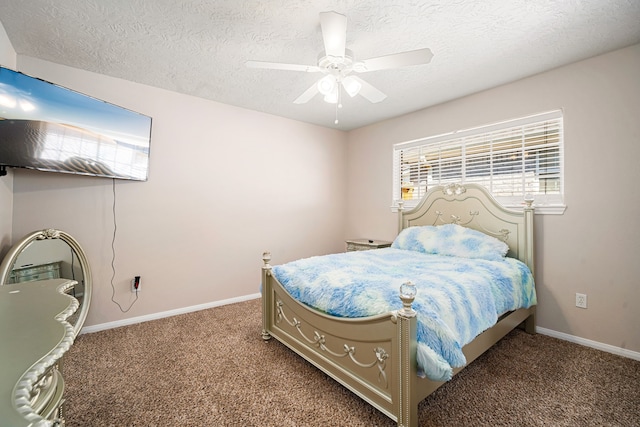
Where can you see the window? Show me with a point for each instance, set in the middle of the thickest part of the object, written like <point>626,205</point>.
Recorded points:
<point>512,159</point>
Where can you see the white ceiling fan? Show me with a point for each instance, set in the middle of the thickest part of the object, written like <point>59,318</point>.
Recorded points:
<point>338,63</point>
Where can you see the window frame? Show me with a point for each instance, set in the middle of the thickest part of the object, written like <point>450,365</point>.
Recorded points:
<point>458,142</point>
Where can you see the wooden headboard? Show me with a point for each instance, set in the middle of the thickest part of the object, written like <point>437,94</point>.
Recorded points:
<point>471,205</point>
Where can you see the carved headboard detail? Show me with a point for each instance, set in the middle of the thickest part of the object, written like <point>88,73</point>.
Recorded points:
<point>472,206</point>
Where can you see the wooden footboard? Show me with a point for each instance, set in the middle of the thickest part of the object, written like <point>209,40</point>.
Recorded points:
<point>374,357</point>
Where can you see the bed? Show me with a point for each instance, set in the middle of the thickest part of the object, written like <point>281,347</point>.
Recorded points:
<point>376,357</point>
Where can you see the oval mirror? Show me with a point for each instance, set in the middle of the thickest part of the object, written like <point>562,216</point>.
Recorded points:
<point>51,254</point>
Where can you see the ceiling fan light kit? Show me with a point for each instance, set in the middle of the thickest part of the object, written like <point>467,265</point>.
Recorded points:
<point>333,98</point>
<point>337,62</point>
<point>327,84</point>
<point>351,85</point>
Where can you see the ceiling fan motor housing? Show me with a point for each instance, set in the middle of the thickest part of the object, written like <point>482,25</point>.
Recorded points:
<point>339,64</point>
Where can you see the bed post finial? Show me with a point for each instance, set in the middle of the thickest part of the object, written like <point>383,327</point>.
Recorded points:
<point>266,257</point>
<point>400,214</point>
<point>528,200</point>
<point>407,295</point>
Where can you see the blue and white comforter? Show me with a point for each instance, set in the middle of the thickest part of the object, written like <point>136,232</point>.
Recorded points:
<point>457,298</point>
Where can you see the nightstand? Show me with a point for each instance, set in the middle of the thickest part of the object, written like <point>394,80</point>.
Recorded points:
<point>365,245</point>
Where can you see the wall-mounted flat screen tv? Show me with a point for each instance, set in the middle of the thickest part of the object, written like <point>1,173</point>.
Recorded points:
<point>48,127</point>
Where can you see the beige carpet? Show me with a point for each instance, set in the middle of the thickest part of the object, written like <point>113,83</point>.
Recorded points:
<point>211,368</point>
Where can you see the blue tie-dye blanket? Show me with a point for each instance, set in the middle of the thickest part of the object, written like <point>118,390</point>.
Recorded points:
<point>457,298</point>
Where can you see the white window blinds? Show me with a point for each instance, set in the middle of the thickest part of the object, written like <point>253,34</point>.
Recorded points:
<point>512,159</point>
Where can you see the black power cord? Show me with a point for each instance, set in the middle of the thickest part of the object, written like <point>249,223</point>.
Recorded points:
<point>113,255</point>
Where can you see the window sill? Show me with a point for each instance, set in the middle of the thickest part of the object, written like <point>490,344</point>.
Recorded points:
<point>539,209</point>
<point>543,209</point>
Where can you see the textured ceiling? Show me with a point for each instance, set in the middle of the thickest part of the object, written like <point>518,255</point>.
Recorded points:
<point>199,47</point>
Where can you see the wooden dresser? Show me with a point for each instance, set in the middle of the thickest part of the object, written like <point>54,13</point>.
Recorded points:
<point>34,335</point>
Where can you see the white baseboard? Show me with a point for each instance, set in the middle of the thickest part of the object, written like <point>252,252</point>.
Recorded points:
<point>162,314</point>
<point>589,343</point>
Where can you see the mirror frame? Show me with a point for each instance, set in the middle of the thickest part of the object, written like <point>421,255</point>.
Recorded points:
<point>11,257</point>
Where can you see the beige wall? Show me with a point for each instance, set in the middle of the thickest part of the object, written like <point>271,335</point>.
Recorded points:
<point>593,247</point>
<point>225,184</point>
<point>7,59</point>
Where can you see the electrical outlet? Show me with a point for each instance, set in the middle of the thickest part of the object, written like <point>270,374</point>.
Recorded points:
<point>136,284</point>
<point>581,300</point>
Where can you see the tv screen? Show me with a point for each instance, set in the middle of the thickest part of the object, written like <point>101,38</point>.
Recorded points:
<point>48,127</point>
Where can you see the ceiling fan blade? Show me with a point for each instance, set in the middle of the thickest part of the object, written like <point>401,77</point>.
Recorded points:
<point>368,91</point>
<point>395,60</point>
<point>281,66</point>
<point>334,33</point>
<point>307,94</point>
